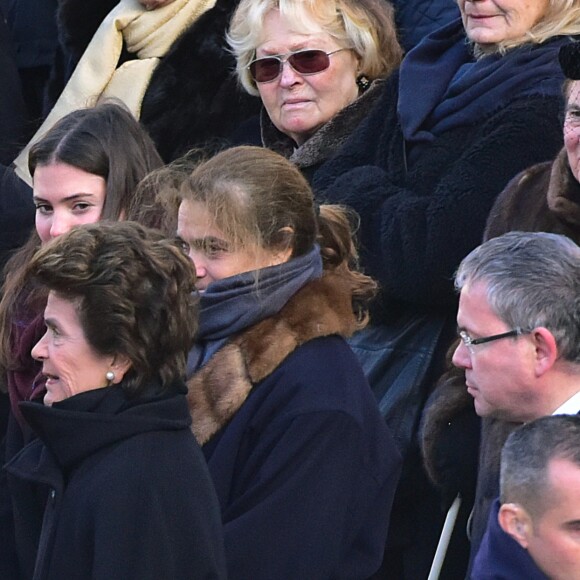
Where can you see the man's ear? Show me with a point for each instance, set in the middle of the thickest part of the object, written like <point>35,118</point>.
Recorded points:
<point>546,353</point>
<point>515,521</point>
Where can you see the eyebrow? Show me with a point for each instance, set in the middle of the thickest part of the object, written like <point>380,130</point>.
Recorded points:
<point>72,197</point>
<point>208,239</point>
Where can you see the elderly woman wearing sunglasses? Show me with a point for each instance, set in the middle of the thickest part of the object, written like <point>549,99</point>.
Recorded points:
<point>317,68</point>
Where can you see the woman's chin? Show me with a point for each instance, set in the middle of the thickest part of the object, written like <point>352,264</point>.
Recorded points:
<point>48,400</point>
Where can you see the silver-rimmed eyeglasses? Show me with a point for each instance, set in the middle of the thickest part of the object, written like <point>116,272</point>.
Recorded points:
<point>304,62</point>
<point>471,342</point>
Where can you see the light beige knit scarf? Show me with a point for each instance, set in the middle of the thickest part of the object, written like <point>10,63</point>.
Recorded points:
<point>147,34</point>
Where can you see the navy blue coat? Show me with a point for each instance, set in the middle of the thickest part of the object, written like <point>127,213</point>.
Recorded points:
<point>306,471</point>
<point>129,495</point>
<point>417,224</point>
<point>500,557</point>
<point>304,466</point>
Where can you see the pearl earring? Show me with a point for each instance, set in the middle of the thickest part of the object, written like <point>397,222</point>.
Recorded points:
<point>110,376</point>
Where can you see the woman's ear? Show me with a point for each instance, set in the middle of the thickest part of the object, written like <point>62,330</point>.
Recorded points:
<point>515,521</point>
<point>119,366</point>
<point>281,256</point>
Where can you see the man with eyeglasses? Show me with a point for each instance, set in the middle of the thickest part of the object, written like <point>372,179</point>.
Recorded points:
<point>519,324</point>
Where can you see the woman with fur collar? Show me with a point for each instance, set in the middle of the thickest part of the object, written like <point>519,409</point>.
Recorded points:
<point>545,197</point>
<point>303,464</point>
<point>317,68</point>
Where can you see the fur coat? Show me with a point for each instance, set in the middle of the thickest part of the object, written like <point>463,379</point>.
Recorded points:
<point>544,197</point>
<point>193,98</point>
<point>219,389</point>
<point>304,466</point>
<point>327,140</point>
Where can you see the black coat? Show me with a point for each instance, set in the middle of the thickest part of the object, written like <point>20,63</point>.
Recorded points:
<point>418,223</point>
<point>13,128</point>
<point>33,30</point>
<point>129,494</point>
<point>193,98</point>
<point>16,213</point>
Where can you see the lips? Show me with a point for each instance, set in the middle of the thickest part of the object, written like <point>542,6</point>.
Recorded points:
<point>50,378</point>
<point>482,16</point>
<point>295,103</point>
<point>472,390</point>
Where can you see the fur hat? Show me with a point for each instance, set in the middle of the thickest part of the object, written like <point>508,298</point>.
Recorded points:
<point>569,57</point>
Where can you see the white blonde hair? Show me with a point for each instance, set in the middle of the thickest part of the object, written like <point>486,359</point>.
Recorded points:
<point>366,26</point>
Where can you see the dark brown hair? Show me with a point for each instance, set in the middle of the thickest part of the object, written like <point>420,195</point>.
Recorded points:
<point>105,140</point>
<point>135,293</point>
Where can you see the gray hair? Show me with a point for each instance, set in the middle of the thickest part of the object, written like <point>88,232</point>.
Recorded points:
<point>532,279</point>
<point>526,456</point>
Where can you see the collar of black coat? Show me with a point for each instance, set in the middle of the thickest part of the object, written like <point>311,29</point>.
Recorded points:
<point>88,422</point>
<point>328,139</point>
<point>564,191</point>
<point>321,308</point>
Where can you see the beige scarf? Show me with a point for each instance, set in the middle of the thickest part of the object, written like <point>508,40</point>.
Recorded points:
<point>147,34</point>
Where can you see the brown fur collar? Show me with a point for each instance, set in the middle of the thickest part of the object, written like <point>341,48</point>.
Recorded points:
<point>543,198</point>
<point>328,139</point>
<point>216,392</point>
<point>564,191</point>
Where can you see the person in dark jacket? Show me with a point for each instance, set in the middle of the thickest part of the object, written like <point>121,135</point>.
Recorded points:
<point>12,108</point>
<point>16,209</point>
<point>462,106</point>
<point>129,494</point>
<point>101,153</point>
<point>304,466</point>
<point>543,197</point>
<point>518,324</point>
<point>314,96</point>
<point>532,535</point>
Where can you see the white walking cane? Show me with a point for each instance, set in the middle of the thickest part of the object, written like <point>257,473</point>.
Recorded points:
<point>444,540</point>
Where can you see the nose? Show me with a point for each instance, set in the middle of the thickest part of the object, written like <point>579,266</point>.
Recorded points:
<point>571,133</point>
<point>39,350</point>
<point>461,357</point>
<point>198,262</point>
<point>60,225</point>
<point>288,76</point>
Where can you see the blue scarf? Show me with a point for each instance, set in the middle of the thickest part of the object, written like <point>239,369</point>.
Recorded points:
<point>443,87</point>
<point>230,305</point>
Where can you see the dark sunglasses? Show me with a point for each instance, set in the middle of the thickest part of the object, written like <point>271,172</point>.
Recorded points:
<point>305,62</point>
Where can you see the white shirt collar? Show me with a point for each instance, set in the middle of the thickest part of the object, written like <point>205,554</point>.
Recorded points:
<point>569,407</point>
